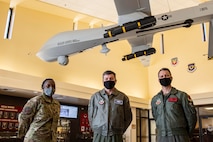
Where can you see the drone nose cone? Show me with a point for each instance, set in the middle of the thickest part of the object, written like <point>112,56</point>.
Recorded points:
<point>39,54</point>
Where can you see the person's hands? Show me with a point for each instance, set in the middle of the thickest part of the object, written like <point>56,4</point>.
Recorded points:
<point>20,139</point>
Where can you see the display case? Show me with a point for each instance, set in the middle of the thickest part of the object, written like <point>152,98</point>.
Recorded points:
<point>63,130</point>
<point>9,121</point>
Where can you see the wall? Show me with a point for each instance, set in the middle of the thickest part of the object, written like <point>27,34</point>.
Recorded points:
<point>12,101</point>
<point>85,69</point>
<point>32,29</point>
<point>186,44</point>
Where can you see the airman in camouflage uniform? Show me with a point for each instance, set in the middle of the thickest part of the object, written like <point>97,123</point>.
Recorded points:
<point>39,117</point>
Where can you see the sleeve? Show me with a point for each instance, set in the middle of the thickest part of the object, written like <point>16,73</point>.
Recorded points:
<point>55,120</point>
<point>127,114</point>
<point>91,110</point>
<point>153,107</point>
<point>190,112</point>
<point>25,118</point>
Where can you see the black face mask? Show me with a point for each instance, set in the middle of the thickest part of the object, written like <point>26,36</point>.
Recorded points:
<point>165,81</point>
<point>109,84</point>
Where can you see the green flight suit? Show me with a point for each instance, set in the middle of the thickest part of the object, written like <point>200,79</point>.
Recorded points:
<point>175,116</point>
<point>109,116</point>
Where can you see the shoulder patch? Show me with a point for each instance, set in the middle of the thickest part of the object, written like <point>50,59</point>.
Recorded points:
<point>158,102</point>
<point>189,99</point>
<point>27,110</point>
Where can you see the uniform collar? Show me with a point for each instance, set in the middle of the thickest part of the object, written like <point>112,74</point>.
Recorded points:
<point>47,99</point>
<point>114,92</point>
<point>172,92</point>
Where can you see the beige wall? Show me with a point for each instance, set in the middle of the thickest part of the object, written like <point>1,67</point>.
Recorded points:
<point>186,44</point>
<point>19,67</point>
<point>33,28</point>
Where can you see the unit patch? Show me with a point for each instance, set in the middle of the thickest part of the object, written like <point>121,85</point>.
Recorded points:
<point>158,102</point>
<point>191,67</point>
<point>101,102</point>
<point>174,61</point>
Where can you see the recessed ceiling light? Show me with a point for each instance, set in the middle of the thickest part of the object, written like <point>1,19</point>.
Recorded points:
<point>9,90</point>
<point>209,108</point>
<point>59,97</point>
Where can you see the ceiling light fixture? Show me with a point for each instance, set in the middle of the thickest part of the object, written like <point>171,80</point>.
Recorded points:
<point>9,24</point>
<point>209,108</point>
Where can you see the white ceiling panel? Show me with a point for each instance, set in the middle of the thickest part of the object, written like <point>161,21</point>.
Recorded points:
<point>105,9</point>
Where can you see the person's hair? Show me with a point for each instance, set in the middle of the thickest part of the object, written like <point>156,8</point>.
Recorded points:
<point>109,72</point>
<point>42,85</point>
<point>164,69</point>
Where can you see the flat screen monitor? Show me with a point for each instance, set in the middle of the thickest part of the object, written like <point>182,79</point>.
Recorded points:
<point>69,111</point>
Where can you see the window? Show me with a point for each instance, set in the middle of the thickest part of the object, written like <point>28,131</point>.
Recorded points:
<point>143,125</point>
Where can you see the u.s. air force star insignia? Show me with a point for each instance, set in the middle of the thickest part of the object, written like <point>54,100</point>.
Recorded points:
<point>158,102</point>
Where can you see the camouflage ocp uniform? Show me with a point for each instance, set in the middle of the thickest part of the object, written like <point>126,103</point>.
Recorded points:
<point>38,120</point>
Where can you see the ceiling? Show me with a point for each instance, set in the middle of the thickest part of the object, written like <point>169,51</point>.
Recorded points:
<point>96,11</point>
<point>93,12</point>
<point>105,9</point>
<point>17,92</point>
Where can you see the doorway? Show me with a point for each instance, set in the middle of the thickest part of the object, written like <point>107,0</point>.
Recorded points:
<point>204,128</point>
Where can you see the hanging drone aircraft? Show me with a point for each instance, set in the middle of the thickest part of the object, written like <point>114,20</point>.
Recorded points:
<point>136,25</point>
